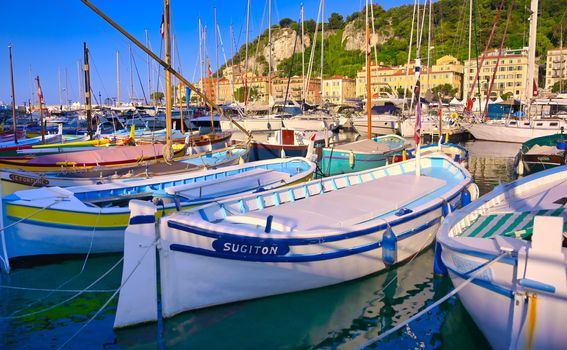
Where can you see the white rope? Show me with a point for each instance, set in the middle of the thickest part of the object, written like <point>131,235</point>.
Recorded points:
<point>112,296</point>
<point>434,305</point>
<point>32,214</point>
<point>58,290</point>
<point>66,300</point>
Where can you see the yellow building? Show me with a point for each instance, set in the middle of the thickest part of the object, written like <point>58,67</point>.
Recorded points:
<point>295,92</point>
<point>337,89</point>
<point>511,76</point>
<point>556,67</point>
<point>446,70</point>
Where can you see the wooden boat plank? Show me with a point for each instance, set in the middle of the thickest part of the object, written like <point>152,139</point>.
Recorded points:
<point>351,205</point>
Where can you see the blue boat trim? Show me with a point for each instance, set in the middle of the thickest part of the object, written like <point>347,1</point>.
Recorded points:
<point>142,219</point>
<point>292,258</point>
<point>485,284</point>
<point>302,241</point>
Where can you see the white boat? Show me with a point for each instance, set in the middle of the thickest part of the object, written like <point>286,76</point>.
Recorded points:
<point>92,219</point>
<point>382,124</point>
<point>520,301</point>
<point>516,131</point>
<point>306,236</point>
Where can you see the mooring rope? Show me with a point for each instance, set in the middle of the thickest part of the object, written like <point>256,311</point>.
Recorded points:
<point>435,304</point>
<point>154,243</point>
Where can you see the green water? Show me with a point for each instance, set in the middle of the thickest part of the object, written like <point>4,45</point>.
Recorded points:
<point>337,317</point>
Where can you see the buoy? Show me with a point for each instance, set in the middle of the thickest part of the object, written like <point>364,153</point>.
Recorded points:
<point>404,155</point>
<point>465,198</point>
<point>389,247</point>
<point>351,159</point>
<point>520,168</point>
<point>439,267</point>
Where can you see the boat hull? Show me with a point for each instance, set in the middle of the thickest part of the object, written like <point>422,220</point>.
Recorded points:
<point>504,133</point>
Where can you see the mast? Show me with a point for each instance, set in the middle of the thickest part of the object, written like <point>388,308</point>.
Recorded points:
<point>79,81</point>
<point>322,40</point>
<point>13,96</point>
<point>217,52</point>
<point>131,75</point>
<point>429,48</point>
<point>67,88</point>
<point>149,67</point>
<point>470,32</point>
<point>117,78</point>
<point>270,46</point>
<point>167,75</point>
<point>59,84</point>
<point>302,54</point>
<point>246,56</point>
<point>368,86</point>
<point>88,91</point>
<point>40,101</point>
<point>201,63</point>
<point>532,51</point>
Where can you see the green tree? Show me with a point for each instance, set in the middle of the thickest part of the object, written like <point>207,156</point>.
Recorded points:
<point>400,92</point>
<point>445,90</point>
<point>309,26</point>
<point>557,86</point>
<point>506,96</point>
<point>286,22</point>
<point>239,94</point>
<point>157,96</point>
<point>336,21</point>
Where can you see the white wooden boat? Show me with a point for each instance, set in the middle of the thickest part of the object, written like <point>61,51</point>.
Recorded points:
<point>301,237</point>
<point>82,219</point>
<point>517,131</point>
<point>519,302</point>
<point>382,124</point>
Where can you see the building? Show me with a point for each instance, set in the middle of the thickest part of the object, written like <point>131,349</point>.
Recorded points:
<point>295,91</point>
<point>510,79</point>
<point>337,89</point>
<point>556,67</point>
<point>446,70</point>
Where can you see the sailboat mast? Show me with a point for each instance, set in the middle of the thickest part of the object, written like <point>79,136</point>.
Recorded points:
<point>368,86</point>
<point>201,63</point>
<point>322,40</point>
<point>270,46</point>
<point>302,54</point>
<point>429,48</point>
<point>167,75</point>
<point>59,84</point>
<point>88,91</point>
<point>217,53</point>
<point>246,56</point>
<point>13,96</point>
<point>79,81</point>
<point>117,78</point>
<point>149,67</point>
<point>532,51</point>
<point>39,101</point>
<point>67,88</point>
<point>470,32</point>
<point>131,75</point>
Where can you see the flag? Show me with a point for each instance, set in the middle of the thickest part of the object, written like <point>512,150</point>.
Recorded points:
<point>162,26</point>
<point>417,130</point>
<point>39,93</point>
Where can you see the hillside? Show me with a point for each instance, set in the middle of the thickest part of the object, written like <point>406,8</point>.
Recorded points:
<point>344,39</point>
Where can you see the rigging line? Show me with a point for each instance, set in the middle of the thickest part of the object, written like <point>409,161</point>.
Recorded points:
<point>435,304</point>
<point>140,80</point>
<point>97,73</point>
<point>258,41</point>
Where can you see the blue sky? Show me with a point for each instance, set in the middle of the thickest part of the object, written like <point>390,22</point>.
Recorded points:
<point>49,36</point>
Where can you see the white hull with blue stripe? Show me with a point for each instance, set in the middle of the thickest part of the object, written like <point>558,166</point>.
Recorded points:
<point>306,236</point>
<point>520,301</point>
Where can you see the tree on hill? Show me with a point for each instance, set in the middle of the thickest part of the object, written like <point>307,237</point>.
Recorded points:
<point>445,90</point>
<point>286,22</point>
<point>336,21</point>
<point>157,96</point>
<point>239,94</point>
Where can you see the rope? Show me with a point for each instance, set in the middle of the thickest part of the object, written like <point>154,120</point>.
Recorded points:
<point>57,290</point>
<point>66,300</point>
<point>435,304</point>
<point>154,243</point>
<point>32,214</point>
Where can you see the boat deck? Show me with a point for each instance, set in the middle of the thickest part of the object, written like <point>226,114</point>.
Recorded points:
<point>349,206</point>
<point>364,146</point>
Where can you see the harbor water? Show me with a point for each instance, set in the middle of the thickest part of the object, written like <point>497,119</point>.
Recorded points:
<point>338,317</point>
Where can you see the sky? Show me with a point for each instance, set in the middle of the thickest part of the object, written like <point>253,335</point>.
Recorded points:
<point>47,39</point>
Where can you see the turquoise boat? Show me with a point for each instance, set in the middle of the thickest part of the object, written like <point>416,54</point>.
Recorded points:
<point>360,155</point>
<point>541,153</point>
